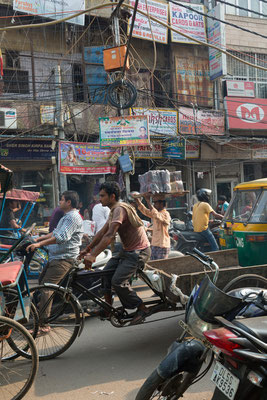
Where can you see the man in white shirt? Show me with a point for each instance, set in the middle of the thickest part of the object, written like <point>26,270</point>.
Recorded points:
<point>100,216</point>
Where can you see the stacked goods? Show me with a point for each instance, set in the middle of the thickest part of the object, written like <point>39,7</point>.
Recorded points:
<point>161,181</point>
<point>176,182</point>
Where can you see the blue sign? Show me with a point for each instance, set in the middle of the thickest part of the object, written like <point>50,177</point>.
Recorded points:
<point>26,149</point>
<point>175,149</point>
<point>125,163</point>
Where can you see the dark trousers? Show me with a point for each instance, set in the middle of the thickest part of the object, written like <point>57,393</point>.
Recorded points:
<point>125,264</point>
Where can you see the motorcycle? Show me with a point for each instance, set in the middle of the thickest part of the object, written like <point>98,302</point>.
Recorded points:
<point>186,241</point>
<point>181,367</point>
<point>240,371</point>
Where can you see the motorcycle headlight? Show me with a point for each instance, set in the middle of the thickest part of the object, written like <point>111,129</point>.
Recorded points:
<point>198,326</point>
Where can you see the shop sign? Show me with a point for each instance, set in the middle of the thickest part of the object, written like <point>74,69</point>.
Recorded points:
<point>26,149</point>
<point>161,121</point>
<point>188,22</point>
<point>246,114</point>
<point>47,113</point>
<point>201,122</point>
<point>130,130</point>
<point>84,159</point>
<point>259,151</point>
<point>175,149</point>
<point>154,150</point>
<point>9,118</point>
<point>52,9</point>
<point>240,88</point>
<point>216,36</point>
<point>193,80</point>
<point>192,149</point>
<point>142,29</point>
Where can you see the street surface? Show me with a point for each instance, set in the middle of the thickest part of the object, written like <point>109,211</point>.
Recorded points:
<point>111,363</point>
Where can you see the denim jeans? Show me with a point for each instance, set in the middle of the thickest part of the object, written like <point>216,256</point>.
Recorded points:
<point>208,235</point>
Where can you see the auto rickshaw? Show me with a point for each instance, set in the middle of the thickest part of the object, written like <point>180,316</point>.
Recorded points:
<point>244,225</point>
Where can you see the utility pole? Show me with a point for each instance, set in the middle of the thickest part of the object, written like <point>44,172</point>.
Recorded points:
<point>116,27</point>
<point>60,122</point>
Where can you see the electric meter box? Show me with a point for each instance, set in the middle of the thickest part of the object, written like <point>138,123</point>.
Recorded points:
<point>114,58</point>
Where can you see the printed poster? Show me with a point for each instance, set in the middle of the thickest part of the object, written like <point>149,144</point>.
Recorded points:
<point>188,22</point>
<point>142,29</point>
<point>175,149</point>
<point>85,159</point>
<point>129,130</point>
<point>152,151</point>
<point>161,121</point>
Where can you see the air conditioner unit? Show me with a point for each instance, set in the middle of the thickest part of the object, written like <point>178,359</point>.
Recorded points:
<point>8,118</point>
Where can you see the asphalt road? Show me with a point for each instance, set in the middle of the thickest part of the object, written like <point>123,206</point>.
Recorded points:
<point>112,363</point>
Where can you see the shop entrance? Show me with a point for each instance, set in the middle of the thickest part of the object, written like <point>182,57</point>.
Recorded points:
<point>225,188</point>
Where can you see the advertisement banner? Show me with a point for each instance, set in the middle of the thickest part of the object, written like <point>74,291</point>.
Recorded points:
<point>47,114</point>
<point>152,151</point>
<point>192,149</point>
<point>52,9</point>
<point>188,22</point>
<point>240,89</point>
<point>128,130</point>
<point>161,122</point>
<point>259,151</point>
<point>175,149</point>
<point>246,114</point>
<point>26,149</point>
<point>202,122</point>
<point>193,82</point>
<point>142,29</point>
<point>84,159</point>
<point>216,36</point>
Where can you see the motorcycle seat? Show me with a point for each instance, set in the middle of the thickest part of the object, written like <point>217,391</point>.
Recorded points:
<point>256,326</point>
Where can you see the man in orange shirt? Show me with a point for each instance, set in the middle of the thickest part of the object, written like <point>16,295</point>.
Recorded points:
<point>160,244</point>
<point>201,214</point>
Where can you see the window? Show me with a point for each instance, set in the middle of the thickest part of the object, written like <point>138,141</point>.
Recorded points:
<point>239,71</point>
<point>253,5</point>
<point>77,79</point>
<point>16,81</point>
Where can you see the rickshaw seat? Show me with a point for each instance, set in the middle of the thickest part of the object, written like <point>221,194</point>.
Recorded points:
<point>10,273</point>
<point>5,246</point>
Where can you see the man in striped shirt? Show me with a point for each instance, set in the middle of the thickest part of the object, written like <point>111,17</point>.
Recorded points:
<point>63,246</point>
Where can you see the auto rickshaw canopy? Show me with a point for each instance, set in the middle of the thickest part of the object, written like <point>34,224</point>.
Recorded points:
<point>257,184</point>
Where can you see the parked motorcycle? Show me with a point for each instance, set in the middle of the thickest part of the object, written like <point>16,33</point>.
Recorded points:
<point>186,241</point>
<point>240,371</point>
<point>181,367</point>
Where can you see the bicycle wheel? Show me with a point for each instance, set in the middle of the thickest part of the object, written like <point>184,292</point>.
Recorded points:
<point>16,376</point>
<point>60,320</point>
<point>11,303</point>
<point>246,281</point>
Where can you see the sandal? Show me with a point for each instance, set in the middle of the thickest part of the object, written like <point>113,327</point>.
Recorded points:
<point>139,317</point>
<point>44,330</point>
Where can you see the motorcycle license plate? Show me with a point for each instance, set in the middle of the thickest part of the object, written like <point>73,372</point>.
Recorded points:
<point>225,381</point>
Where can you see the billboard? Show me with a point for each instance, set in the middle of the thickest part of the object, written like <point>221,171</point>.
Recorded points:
<point>188,22</point>
<point>246,114</point>
<point>127,130</point>
<point>161,121</point>
<point>216,36</point>
<point>193,80</point>
<point>84,158</point>
<point>52,9</point>
<point>240,88</point>
<point>175,149</point>
<point>142,29</point>
<point>201,122</point>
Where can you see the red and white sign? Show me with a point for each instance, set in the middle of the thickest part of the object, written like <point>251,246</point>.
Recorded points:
<point>201,122</point>
<point>246,114</point>
<point>240,89</point>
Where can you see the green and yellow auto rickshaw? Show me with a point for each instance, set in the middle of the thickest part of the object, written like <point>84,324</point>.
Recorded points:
<point>244,225</point>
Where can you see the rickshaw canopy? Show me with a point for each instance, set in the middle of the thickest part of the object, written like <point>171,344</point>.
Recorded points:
<point>22,195</point>
<point>257,184</point>
<point>6,176</point>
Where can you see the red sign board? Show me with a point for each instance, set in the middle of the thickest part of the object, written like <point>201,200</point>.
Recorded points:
<point>246,113</point>
<point>201,122</point>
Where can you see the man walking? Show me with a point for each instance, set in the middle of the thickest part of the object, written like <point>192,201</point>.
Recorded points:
<point>63,247</point>
<point>136,249</point>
